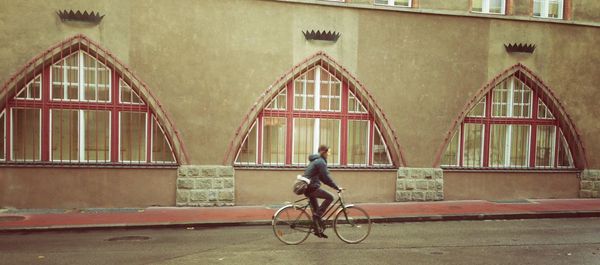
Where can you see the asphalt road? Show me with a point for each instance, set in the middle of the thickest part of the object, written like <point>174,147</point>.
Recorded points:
<point>543,241</point>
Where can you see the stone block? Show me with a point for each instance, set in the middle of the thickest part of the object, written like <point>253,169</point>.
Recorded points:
<point>439,196</point>
<point>226,196</point>
<point>228,183</point>
<point>438,173</point>
<point>427,173</point>
<point>590,174</point>
<point>403,196</point>
<point>181,172</point>
<point>203,184</point>
<point>422,184</point>
<point>417,173</point>
<point>225,171</point>
<point>193,172</point>
<point>430,185</point>
<point>217,183</point>
<point>402,173</point>
<point>213,196</point>
<point>595,194</point>
<point>430,196</point>
<point>410,185</point>
<point>185,183</point>
<point>183,196</point>
<point>198,196</point>
<point>596,185</point>
<point>418,196</point>
<point>439,184</point>
<point>587,185</point>
<point>208,172</point>
<point>585,194</point>
<point>400,184</point>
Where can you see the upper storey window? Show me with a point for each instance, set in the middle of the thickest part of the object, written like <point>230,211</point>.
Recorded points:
<point>403,3</point>
<point>548,8</point>
<point>489,6</point>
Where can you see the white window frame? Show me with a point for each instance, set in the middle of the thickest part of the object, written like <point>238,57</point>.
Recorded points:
<point>153,121</point>
<point>481,149</point>
<point>357,104</point>
<point>392,3</point>
<point>81,134</point>
<point>508,149</point>
<point>548,112</point>
<point>275,100</point>
<point>545,6</point>
<point>367,141</point>
<point>317,92</point>
<point>145,138</point>
<point>565,146</point>
<point>262,139</point>
<point>485,8</point>
<point>12,138</point>
<point>458,148</point>
<point>510,101</point>
<point>552,148</point>
<point>26,88</point>
<point>123,83</point>
<point>316,136</point>
<point>81,88</point>
<point>3,115</point>
<point>244,141</point>
<point>387,153</point>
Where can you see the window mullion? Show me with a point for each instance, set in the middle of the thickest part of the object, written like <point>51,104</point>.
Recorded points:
<point>507,145</point>
<point>81,131</point>
<point>81,76</point>
<point>545,5</point>
<point>485,6</point>
<point>316,134</point>
<point>317,95</point>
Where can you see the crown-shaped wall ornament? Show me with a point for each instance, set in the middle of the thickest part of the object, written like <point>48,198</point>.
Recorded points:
<point>321,35</point>
<point>70,15</point>
<point>521,47</point>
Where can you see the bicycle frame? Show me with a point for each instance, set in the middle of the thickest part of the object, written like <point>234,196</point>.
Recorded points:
<point>332,210</point>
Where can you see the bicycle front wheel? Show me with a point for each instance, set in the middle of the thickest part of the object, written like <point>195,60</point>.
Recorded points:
<point>352,224</point>
<point>291,225</point>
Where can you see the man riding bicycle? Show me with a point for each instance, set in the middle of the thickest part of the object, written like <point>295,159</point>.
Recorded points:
<point>317,172</point>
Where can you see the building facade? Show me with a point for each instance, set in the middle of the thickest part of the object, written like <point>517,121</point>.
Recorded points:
<point>213,103</point>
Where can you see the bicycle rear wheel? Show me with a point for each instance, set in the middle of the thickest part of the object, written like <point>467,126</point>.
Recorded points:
<point>291,225</point>
<point>352,225</point>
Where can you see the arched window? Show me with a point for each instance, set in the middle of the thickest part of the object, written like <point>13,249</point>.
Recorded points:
<point>75,108</point>
<point>314,108</point>
<point>512,126</point>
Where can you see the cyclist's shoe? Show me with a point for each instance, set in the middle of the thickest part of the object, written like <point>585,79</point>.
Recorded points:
<point>320,222</point>
<point>321,234</point>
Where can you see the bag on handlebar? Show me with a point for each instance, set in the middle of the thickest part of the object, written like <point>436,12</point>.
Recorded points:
<point>300,185</point>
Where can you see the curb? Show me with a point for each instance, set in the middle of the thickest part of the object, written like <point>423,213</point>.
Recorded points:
<point>375,219</point>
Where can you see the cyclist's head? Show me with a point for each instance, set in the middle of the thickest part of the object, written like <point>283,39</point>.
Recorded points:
<point>323,151</point>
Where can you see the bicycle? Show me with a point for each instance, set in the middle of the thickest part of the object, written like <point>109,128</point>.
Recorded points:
<point>292,224</point>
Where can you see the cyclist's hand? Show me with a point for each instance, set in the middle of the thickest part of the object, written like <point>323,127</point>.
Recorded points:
<point>340,189</point>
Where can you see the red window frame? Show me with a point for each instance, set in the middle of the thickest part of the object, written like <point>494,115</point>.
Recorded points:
<point>46,104</point>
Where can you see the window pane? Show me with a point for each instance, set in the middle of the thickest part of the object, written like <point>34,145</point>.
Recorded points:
<point>521,100</point>
<point>330,92</point>
<point>89,77</point>
<point>544,111</point>
<point>496,6</point>
<point>380,153</point>
<point>304,91</point>
<point>555,8</point>
<point>280,101</point>
<point>519,146</point>
<point>97,136</point>
<point>564,153</point>
<point>498,145</point>
<point>304,131</point>
<point>161,150</point>
<point>248,150</point>
<point>32,89</point>
<point>2,136</point>
<point>26,134</point>
<point>477,5</point>
<point>473,145</point>
<point>544,148</point>
<point>358,133</point>
<point>65,135</point>
<point>500,99</point>
<point>132,136</point>
<point>478,110</point>
<point>537,7</point>
<point>127,94</point>
<point>450,157</point>
<point>329,134</point>
<point>65,78</point>
<point>274,131</point>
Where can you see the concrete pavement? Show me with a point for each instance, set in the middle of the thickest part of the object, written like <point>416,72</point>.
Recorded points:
<point>47,219</point>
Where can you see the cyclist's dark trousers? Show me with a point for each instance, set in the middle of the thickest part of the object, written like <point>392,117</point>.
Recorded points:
<point>322,194</point>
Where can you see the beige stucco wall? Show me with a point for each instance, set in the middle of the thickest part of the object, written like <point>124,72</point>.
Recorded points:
<point>259,187</point>
<point>506,186</point>
<point>209,61</point>
<point>83,188</point>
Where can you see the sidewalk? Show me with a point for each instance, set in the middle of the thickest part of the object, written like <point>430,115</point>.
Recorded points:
<point>47,219</point>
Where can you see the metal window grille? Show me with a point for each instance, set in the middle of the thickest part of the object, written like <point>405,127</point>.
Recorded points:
<point>60,109</point>
<point>510,127</point>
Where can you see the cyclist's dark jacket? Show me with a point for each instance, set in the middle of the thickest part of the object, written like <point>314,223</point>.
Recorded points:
<point>317,172</point>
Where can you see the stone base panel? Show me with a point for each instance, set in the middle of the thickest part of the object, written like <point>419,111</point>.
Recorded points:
<point>205,186</point>
<point>420,184</point>
<point>590,184</point>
